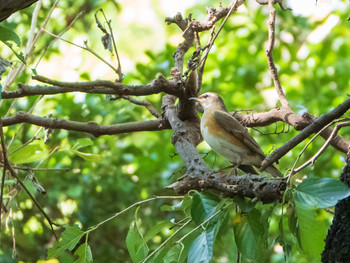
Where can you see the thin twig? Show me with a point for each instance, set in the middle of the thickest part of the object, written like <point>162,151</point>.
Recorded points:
<point>233,7</point>
<point>271,43</point>
<point>28,142</point>
<point>133,205</point>
<point>146,104</point>
<point>60,35</point>
<point>201,224</point>
<point>14,174</point>
<point>2,189</point>
<point>84,48</point>
<point>13,74</point>
<point>313,127</point>
<point>39,169</point>
<point>324,146</point>
<point>20,127</point>
<point>166,241</point>
<point>119,68</point>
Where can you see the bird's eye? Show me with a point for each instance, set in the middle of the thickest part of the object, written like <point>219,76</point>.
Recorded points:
<point>205,96</point>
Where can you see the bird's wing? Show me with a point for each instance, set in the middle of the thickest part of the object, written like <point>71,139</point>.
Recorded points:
<point>234,127</point>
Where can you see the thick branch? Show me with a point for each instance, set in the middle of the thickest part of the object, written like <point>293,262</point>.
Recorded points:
<point>263,189</point>
<point>94,87</point>
<point>314,127</point>
<point>8,7</point>
<point>286,115</point>
<point>89,127</point>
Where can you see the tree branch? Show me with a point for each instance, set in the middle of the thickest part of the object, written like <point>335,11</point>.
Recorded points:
<point>314,127</point>
<point>89,127</point>
<point>264,189</point>
<point>8,7</point>
<point>273,69</point>
<point>93,87</point>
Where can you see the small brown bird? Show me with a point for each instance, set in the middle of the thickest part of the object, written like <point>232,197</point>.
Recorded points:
<point>228,137</point>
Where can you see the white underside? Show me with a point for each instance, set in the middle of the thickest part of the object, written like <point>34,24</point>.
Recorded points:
<point>232,153</point>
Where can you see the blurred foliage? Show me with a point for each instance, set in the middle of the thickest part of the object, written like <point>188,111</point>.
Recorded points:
<point>107,174</point>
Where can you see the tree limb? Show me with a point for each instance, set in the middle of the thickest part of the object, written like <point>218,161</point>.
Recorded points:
<point>273,69</point>
<point>94,87</point>
<point>314,127</point>
<point>88,127</point>
<point>8,7</point>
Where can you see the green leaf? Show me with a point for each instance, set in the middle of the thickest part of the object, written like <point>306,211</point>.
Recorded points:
<point>7,34</point>
<point>174,254</point>
<point>82,143</point>
<point>154,231</point>
<point>84,254</point>
<point>201,250</point>
<point>36,151</point>
<point>203,206</point>
<point>70,238</point>
<point>134,237</point>
<point>250,235</point>
<point>312,231</point>
<point>181,206</point>
<point>321,192</point>
<point>88,156</point>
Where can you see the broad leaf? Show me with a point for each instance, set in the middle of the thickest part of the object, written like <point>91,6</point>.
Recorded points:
<point>82,143</point>
<point>36,151</point>
<point>84,254</point>
<point>321,192</point>
<point>154,231</point>
<point>174,254</point>
<point>312,231</point>
<point>250,235</point>
<point>134,237</point>
<point>70,238</point>
<point>203,206</point>
<point>181,206</point>
<point>7,34</point>
<point>88,156</point>
<point>201,250</point>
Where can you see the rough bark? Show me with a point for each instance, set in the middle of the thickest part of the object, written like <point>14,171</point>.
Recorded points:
<point>337,247</point>
<point>8,7</point>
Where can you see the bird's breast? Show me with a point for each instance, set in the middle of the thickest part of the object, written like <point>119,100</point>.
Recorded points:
<point>220,140</point>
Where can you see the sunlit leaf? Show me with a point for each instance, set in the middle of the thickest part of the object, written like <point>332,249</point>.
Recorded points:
<point>134,237</point>
<point>7,34</point>
<point>70,237</point>
<point>83,142</point>
<point>312,231</point>
<point>84,254</point>
<point>36,151</point>
<point>88,156</point>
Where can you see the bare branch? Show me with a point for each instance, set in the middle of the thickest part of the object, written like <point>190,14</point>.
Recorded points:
<point>273,69</point>
<point>94,87</point>
<point>323,148</point>
<point>146,104</point>
<point>266,2</point>
<point>314,127</point>
<point>89,127</point>
<point>8,166</point>
<point>8,7</point>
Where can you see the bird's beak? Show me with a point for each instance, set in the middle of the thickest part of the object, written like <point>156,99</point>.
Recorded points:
<point>194,98</point>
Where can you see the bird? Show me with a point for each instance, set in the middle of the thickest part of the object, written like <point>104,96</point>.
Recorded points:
<point>228,137</point>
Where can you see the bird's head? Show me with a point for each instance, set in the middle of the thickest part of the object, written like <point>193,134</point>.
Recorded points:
<point>210,100</point>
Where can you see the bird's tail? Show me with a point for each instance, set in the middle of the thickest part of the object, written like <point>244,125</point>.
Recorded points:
<point>248,169</point>
<point>273,171</point>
